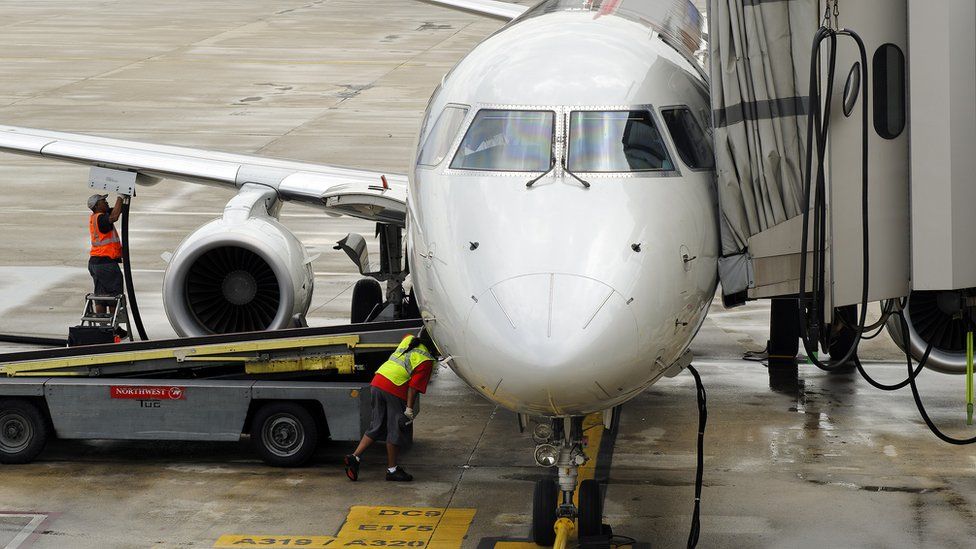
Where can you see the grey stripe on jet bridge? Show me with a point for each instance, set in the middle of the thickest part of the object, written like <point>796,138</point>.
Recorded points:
<point>761,110</point>
<point>757,2</point>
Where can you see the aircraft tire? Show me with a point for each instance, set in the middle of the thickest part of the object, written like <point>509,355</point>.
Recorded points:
<point>545,500</point>
<point>366,295</point>
<point>590,509</point>
<point>23,431</point>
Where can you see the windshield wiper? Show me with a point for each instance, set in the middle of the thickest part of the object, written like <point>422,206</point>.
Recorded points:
<point>536,179</point>
<point>566,169</point>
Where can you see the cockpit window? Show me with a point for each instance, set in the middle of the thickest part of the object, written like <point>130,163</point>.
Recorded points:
<point>509,141</point>
<point>693,145</point>
<point>442,136</point>
<point>615,141</point>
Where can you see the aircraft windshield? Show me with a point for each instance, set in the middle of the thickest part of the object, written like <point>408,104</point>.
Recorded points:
<point>510,141</point>
<point>693,146</point>
<point>442,136</point>
<point>615,141</point>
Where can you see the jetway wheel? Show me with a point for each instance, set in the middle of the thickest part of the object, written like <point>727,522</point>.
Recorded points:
<point>23,431</point>
<point>843,336</point>
<point>590,509</point>
<point>284,434</point>
<point>366,295</point>
<point>545,500</point>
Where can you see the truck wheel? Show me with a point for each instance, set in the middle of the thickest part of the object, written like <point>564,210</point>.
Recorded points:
<point>284,434</point>
<point>366,295</point>
<point>23,431</point>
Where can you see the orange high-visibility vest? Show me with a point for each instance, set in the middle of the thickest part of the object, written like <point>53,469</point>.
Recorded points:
<point>104,244</point>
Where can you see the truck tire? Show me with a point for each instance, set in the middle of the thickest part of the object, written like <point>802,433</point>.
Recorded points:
<point>23,431</point>
<point>366,295</point>
<point>284,434</point>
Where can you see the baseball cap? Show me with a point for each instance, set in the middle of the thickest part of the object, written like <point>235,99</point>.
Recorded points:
<point>93,199</point>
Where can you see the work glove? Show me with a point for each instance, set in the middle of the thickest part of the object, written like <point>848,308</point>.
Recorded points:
<point>410,414</point>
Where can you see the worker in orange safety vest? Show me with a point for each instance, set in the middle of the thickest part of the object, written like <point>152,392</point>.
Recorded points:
<point>106,248</point>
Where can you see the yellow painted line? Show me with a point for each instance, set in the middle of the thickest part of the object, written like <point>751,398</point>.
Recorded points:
<point>275,542</point>
<point>376,526</point>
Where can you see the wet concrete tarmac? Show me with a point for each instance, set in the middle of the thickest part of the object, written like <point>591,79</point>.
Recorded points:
<point>819,460</point>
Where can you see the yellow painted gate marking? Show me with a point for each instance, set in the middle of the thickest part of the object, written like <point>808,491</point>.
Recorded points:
<point>377,526</point>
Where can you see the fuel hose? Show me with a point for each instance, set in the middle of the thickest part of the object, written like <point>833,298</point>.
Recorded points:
<point>130,291</point>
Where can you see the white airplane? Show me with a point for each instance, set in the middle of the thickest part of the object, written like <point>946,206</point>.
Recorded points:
<point>560,218</point>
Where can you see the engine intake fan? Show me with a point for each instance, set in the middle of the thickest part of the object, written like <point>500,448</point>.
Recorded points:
<point>933,317</point>
<point>232,289</point>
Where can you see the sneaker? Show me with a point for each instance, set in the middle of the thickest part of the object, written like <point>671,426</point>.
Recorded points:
<point>352,467</point>
<point>399,475</point>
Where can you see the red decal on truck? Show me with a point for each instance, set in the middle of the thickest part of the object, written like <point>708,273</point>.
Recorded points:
<point>143,392</point>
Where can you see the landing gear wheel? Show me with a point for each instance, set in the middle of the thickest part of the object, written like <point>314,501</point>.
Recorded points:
<point>366,295</point>
<point>544,505</point>
<point>843,336</point>
<point>23,431</point>
<point>284,434</point>
<point>590,509</point>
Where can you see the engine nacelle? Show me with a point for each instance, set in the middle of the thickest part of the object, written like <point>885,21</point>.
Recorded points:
<point>244,272</point>
<point>933,317</point>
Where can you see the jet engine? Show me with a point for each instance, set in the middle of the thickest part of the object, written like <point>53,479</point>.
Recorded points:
<point>933,317</point>
<point>243,272</point>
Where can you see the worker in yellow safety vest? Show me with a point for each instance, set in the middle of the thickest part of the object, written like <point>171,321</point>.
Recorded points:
<point>393,394</point>
<point>106,248</point>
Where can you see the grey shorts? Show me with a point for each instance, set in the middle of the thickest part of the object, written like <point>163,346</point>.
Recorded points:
<point>387,410</point>
<point>107,277</point>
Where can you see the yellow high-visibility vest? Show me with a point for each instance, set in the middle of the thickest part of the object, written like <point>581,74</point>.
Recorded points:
<point>401,364</point>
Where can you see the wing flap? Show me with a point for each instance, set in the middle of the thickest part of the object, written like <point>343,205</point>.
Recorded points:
<point>490,8</point>
<point>338,191</point>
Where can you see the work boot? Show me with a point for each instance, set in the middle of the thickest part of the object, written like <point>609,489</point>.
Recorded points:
<point>352,467</point>
<point>398,475</point>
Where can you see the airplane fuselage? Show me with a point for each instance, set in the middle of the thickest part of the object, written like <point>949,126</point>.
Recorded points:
<point>557,299</point>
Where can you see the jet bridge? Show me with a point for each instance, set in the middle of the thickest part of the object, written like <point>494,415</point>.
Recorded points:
<point>922,131</point>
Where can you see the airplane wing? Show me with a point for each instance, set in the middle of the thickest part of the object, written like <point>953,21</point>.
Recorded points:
<point>491,8</point>
<point>364,194</point>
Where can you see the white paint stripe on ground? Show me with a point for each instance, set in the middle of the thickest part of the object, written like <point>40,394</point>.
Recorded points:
<point>35,521</point>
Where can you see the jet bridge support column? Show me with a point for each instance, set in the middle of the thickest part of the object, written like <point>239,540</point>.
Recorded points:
<point>784,334</point>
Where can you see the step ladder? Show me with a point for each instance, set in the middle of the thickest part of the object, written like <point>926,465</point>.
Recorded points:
<point>113,320</point>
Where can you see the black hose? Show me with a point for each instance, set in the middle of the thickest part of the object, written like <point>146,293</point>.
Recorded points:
<point>913,373</point>
<point>811,306</point>
<point>130,291</point>
<point>33,340</point>
<point>702,421</point>
<point>925,416</point>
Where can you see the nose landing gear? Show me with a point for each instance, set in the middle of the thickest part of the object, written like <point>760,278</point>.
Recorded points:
<point>555,515</point>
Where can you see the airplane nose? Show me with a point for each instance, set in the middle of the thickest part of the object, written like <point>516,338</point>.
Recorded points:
<point>555,343</point>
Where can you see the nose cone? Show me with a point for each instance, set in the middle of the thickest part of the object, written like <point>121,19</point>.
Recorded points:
<point>552,344</point>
